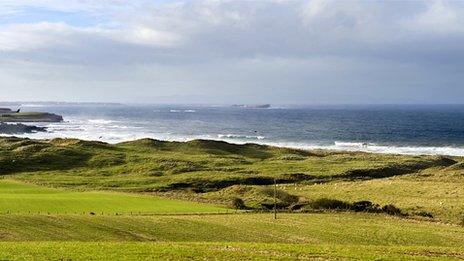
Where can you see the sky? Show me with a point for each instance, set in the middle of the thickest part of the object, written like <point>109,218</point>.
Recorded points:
<point>232,51</point>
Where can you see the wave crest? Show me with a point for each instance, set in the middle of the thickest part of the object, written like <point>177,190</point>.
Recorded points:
<point>238,136</point>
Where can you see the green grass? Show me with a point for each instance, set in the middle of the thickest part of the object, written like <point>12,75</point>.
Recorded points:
<point>182,169</point>
<point>66,179</point>
<point>439,193</point>
<point>218,251</point>
<point>150,165</point>
<point>23,198</point>
<point>239,236</point>
<point>320,228</point>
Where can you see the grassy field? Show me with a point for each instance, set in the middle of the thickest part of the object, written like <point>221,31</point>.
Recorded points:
<point>443,199</point>
<point>16,197</point>
<point>50,187</point>
<point>335,235</point>
<point>218,251</point>
<point>316,228</point>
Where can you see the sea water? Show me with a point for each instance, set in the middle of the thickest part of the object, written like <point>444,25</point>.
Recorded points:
<point>404,129</point>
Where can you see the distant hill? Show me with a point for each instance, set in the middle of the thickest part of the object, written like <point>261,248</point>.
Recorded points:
<point>252,106</point>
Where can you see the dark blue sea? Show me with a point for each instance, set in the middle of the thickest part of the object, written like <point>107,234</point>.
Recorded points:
<point>406,129</point>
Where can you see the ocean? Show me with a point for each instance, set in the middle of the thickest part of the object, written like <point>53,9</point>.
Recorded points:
<point>402,129</point>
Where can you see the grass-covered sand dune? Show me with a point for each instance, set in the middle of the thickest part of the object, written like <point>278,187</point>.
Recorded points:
<point>58,197</point>
<point>219,172</point>
<point>199,165</point>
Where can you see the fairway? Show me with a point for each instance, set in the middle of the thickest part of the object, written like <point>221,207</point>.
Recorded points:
<point>16,197</point>
<point>227,237</point>
<point>217,251</point>
<point>321,228</point>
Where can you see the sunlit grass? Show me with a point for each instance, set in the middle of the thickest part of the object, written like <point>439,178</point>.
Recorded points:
<point>17,197</point>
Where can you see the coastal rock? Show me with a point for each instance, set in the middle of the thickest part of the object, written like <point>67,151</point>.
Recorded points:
<point>19,128</point>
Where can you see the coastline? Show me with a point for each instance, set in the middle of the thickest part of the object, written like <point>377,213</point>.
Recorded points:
<point>336,147</point>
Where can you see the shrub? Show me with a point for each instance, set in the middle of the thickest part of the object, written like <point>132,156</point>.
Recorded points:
<point>238,203</point>
<point>359,206</point>
<point>392,210</point>
<point>365,206</point>
<point>424,214</point>
<point>326,203</point>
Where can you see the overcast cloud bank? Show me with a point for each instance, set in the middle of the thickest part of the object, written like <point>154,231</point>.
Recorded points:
<point>232,51</point>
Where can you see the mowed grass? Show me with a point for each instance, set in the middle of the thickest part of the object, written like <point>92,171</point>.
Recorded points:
<point>226,237</point>
<point>217,251</point>
<point>316,228</point>
<point>16,197</point>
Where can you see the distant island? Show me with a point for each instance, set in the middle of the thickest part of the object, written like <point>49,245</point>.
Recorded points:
<point>252,106</point>
<point>8,115</point>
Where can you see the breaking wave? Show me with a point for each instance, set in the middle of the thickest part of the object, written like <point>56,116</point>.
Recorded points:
<point>237,136</point>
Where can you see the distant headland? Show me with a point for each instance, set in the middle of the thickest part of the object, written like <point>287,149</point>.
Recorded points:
<point>9,115</point>
<point>252,106</point>
<point>54,103</point>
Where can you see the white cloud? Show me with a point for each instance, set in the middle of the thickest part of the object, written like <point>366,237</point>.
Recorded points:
<point>307,47</point>
<point>440,17</point>
<point>312,9</point>
<point>24,37</point>
<point>149,36</point>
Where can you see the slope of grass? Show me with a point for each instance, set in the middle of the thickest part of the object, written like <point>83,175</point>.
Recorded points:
<point>209,170</point>
<point>439,192</point>
<point>23,198</point>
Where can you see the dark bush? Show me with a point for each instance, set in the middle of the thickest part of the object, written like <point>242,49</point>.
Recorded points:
<point>365,206</point>
<point>392,210</point>
<point>424,214</point>
<point>359,206</point>
<point>238,203</point>
<point>326,203</point>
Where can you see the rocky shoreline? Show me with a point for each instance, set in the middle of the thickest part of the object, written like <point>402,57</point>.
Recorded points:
<point>19,128</point>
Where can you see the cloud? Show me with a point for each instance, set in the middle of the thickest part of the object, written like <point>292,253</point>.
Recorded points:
<point>439,17</point>
<point>292,49</point>
<point>215,29</point>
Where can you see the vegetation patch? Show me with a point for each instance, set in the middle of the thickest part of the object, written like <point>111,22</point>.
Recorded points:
<point>358,206</point>
<point>398,169</point>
